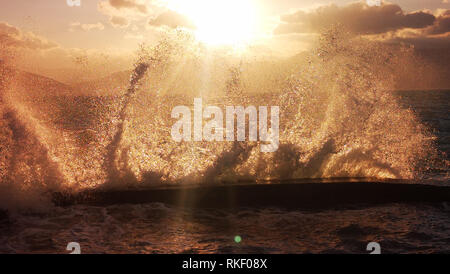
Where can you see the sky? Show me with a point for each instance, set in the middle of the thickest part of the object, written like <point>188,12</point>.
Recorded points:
<point>55,31</point>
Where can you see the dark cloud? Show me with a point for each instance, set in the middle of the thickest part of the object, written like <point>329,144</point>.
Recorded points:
<point>441,25</point>
<point>129,4</point>
<point>11,36</point>
<point>171,19</point>
<point>356,17</point>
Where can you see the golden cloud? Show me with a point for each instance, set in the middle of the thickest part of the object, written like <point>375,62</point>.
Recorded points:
<point>128,4</point>
<point>86,27</point>
<point>11,36</point>
<point>171,19</point>
<point>357,17</point>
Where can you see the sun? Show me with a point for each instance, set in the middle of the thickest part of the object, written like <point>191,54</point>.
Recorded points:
<point>219,22</point>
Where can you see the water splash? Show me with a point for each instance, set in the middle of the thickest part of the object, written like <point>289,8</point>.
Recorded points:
<point>338,118</point>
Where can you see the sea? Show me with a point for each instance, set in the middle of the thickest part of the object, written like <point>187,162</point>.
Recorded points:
<point>339,118</point>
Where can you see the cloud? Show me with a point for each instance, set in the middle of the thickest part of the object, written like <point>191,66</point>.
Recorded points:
<point>171,19</point>
<point>122,13</point>
<point>128,4</point>
<point>11,36</point>
<point>434,36</point>
<point>357,17</point>
<point>86,27</point>
<point>441,25</point>
<point>32,53</point>
<point>118,21</point>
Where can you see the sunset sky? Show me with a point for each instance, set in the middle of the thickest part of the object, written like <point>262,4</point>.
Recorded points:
<point>54,31</point>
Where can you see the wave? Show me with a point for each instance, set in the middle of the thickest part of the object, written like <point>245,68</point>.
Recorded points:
<point>338,118</point>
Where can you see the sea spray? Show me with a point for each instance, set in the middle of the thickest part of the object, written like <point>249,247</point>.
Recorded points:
<point>338,118</point>
<point>27,173</point>
<point>157,56</point>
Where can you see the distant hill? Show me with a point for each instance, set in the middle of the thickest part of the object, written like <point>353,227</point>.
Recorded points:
<point>113,84</point>
<point>38,84</point>
<point>429,71</point>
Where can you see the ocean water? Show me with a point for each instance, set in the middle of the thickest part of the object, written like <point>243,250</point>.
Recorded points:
<point>339,118</point>
<point>162,228</point>
<point>158,228</point>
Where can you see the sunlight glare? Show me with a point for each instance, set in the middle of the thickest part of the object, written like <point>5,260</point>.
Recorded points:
<point>219,22</point>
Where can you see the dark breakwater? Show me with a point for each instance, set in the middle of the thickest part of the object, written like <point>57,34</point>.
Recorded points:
<point>283,195</point>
